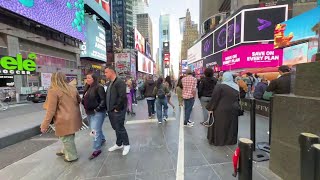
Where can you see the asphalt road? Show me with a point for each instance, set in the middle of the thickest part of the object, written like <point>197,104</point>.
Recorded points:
<point>21,109</point>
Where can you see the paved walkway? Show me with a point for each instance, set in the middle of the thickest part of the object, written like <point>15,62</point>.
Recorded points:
<point>157,153</point>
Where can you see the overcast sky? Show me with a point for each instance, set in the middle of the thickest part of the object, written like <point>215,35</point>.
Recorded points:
<point>176,9</point>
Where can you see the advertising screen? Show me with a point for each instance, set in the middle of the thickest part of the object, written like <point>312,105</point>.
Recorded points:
<point>144,64</point>
<point>207,46</point>
<point>66,16</point>
<point>230,33</point>
<point>194,53</point>
<point>139,41</point>
<point>295,54</point>
<point>105,5</point>
<point>259,24</point>
<point>302,27</point>
<point>95,43</point>
<point>117,37</point>
<point>220,36</point>
<point>122,64</point>
<point>214,62</point>
<point>184,65</point>
<point>238,29</point>
<point>148,50</point>
<point>252,56</point>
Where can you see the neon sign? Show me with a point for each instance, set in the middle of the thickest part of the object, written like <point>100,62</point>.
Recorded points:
<point>18,66</point>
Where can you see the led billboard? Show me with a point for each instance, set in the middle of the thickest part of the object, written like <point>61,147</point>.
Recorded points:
<point>66,16</point>
<point>95,43</point>
<point>145,64</point>
<point>207,46</point>
<point>139,41</point>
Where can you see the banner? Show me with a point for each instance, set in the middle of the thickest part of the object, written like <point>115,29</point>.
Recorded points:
<point>122,64</point>
<point>145,65</point>
<point>194,53</point>
<point>252,56</point>
<point>46,80</point>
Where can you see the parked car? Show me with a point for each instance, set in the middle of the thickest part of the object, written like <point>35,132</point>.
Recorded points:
<point>38,96</point>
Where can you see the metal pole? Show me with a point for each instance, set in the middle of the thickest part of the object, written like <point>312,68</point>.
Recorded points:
<point>270,118</point>
<point>245,159</point>
<point>316,150</point>
<point>307,161</point>
<point>253,122</point>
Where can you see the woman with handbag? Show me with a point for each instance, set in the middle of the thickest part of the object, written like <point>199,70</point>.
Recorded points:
<point>225,107</point>
<point>94,102</point>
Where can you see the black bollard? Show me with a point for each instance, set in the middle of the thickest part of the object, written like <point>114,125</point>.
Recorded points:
<point>307,161</point>
<point>245,159</point>
<point>316,150</point>
<point>253,122</point>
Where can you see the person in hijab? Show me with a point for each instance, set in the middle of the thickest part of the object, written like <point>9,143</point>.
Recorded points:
<point>224,105</point>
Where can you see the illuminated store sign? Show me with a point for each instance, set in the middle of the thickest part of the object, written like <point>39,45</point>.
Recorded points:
<point>11,65</point>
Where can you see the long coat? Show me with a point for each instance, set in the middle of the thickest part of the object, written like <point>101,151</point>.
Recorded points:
<point>64,110</point>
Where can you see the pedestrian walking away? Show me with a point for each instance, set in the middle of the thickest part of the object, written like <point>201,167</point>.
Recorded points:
<point>161,91</point>
<point>63,108</point>
<point>189,84</point>
<point>116,104</point>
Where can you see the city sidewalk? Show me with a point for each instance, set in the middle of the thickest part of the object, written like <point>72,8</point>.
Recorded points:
<point>154,153</point>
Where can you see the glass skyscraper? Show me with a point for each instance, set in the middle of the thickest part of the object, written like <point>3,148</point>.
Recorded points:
<point>164,36</point>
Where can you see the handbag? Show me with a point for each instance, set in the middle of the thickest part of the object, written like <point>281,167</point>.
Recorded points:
<point>267,95</point>
<point>210,120</point>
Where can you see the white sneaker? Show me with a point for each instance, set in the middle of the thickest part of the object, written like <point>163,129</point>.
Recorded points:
<point>115,147</point>
<point>188,125</point>
<point>126,150</point>
<point>191,122</point>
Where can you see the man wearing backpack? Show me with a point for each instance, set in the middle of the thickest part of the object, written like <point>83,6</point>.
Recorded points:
<point>161,91</point>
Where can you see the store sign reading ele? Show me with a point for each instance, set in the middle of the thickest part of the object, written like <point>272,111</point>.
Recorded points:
<point>18,66</point>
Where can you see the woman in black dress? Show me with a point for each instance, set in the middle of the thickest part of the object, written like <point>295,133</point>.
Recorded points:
<point>225,105</point>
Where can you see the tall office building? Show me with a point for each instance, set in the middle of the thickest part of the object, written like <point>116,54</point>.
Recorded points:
<point>190,34</point>
<point>139,7</point>
<point>122,14</point>
<point>164,36</point>
<point>144,26</point>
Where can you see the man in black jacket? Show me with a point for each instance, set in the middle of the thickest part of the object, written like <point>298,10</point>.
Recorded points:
<point>282,85</point>
<point>116,103</point>
<point>148,94</point>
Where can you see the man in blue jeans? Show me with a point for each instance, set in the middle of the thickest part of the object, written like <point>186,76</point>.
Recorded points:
<point>161,92</point>
<point>148,94</point>
<point>189,84</point>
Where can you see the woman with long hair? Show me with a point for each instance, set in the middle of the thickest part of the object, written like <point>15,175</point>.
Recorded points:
<point>94,102</point>
<point>63,108</point>
<point>179,91</point>
<point>168,84</point>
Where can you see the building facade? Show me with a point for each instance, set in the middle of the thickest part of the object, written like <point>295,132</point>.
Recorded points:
<point>144,26</point>
<point>190,35</point>
<point>139,7</point>
<point>122,14</point>
<point>164,36</point>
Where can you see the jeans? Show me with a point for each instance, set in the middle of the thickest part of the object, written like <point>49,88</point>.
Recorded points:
<point>159,103</point>
<point>150,107</point>
<point>204,102</point>
<point>117,120</point>
<point>69,147</point>
<point>96,121</point>
<point>188,105</point>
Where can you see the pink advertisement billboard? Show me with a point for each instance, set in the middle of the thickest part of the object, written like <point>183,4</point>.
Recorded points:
<point>252,56</point>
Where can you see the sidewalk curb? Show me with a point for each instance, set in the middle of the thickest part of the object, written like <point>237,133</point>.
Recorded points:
<point>19,136</point>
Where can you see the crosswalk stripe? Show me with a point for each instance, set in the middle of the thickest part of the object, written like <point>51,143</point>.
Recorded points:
<point>147,121</point>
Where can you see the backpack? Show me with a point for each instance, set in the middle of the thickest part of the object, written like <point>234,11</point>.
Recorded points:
<point>160,93</point>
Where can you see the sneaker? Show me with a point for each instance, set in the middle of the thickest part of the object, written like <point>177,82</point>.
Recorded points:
<point>165,118</point>
<point>174,109</point>
<point>60,154</point>
<point>126,150</point>
<point>160,122</point>
<point>95,154</point>
<point>188,125</point>
<point>150,117</point>
<point>191,122</point>
<point>115,147</point>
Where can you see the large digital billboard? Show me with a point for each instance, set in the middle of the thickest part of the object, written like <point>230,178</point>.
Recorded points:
<point>259,23</point>
<point>295,54</point>
<point>220,38</point>
<point>148,50</point>
<point>105,5</point>
<point>145,64</point>
<point>194,53</point>
<point>95,43</point>
<point>299,28</point>
<point>122,64</point>
<point>66,16</point>
<point>252,56</point>
<point>214,61</point>
<point>207,46</point>
<point>139,41</point>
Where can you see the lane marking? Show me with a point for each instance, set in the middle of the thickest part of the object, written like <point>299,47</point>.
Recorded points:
<point>16,105</point>
<point>180,161</point>
<point>148,121</point>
